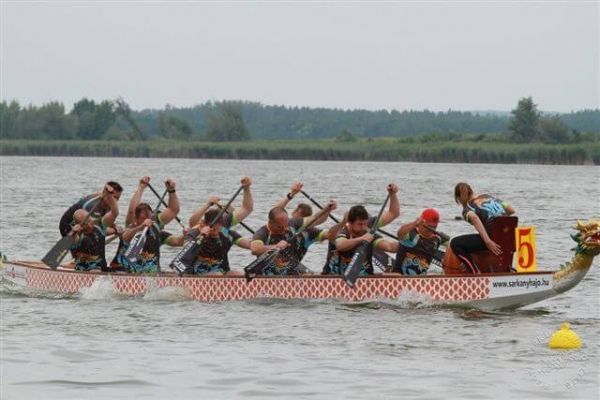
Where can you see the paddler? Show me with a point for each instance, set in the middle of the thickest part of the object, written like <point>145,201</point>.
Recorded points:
<point>149,259</point>
<point>278,233</point>
<point>136,199</point>
<point>88,248</point>
<point>417,245</point>
<point>304,210</point>
<point>479,210</point>
<point>218,240</point>
<point>355,231</point>
<point>87,203</point>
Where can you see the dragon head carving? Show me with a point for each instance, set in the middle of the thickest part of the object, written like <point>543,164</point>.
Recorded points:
<point>588,237</point>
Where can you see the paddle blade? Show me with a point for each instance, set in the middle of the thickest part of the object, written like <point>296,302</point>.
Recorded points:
<point>58,252</point>
<point>438,258</point>
<point>136,246</point>
<point>184,261</point>
<point>302,269</point>
<point>257,266</point>
<point>351,273</point>
<point>383,261</point>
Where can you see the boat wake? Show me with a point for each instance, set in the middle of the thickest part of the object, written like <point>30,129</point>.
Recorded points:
<point>407,300</point>
<point>165,293</point>
<point>9,289</point>
<point>102,289</point>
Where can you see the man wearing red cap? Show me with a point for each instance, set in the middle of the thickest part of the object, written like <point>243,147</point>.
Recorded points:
<point>417,244</point>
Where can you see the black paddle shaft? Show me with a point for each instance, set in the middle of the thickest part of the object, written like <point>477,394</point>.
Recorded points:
<point>444,237</point>
<point>337,220</point>
<point>160,202</point>
<point>309,225</point>
<point>241,223</point>
<point>225,207</point>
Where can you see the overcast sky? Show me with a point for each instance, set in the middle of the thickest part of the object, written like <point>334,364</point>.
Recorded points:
<point>388,55</point>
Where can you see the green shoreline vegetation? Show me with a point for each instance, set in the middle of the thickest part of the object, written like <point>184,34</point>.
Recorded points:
<point>250,130</point>
<point>361,150</point>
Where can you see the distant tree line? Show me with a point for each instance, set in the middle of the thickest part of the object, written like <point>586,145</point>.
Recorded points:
<point>463,148</point>
<point>242,121</point>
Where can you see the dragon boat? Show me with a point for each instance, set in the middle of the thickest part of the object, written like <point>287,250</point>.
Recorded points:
<point>486,291</point>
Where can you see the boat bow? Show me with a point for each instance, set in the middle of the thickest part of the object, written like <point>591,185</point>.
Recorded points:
<point>588,247</point>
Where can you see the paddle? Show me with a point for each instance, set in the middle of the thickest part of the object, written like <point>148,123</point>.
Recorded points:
<point>438,255</point>
<point>382,260</point>
<point>301,267</point>
<point>241,223</point>
<point>164,204</point>
<point>351,273</point>
<point>257,266</point>
<point>111,239</point>
<point>186,257</point>
<point>139,240</point>
<point>444,237</point>
<point>336,220</point>
<point>61,248</point>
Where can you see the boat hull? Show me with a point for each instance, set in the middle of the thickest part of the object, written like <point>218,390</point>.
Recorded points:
<point>486,291</point>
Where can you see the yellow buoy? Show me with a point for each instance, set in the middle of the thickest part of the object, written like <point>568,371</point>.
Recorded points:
<point>564,338</point>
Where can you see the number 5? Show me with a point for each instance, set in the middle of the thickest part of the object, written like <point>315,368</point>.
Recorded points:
<point>525,238</point>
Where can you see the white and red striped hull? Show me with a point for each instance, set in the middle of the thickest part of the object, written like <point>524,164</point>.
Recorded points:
<point>486,292</point>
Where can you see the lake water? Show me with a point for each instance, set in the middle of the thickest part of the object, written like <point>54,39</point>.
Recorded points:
<point>98,345</point>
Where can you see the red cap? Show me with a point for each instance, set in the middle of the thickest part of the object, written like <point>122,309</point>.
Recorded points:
<point>431,215</point>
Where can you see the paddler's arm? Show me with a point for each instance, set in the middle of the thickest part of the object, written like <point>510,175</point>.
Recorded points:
<point>404,229</point>
<point>110,217</point>
<point>331,233</point>
<point>175,241</point>
<point>76,232</point>
<point>344,244</point>
<point>244,243</point>
<point>258,247</point>
<point>247,201</point>
<point>394,210</point>
<point>319,218</point>
<point>169,213</point>
<point>510,210</point>
<point>296,188</point>
<point>387,246</point>
<point>117,230</point>
<point>130,233</point>
<point>136,200</point>
<point>199,213</point>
